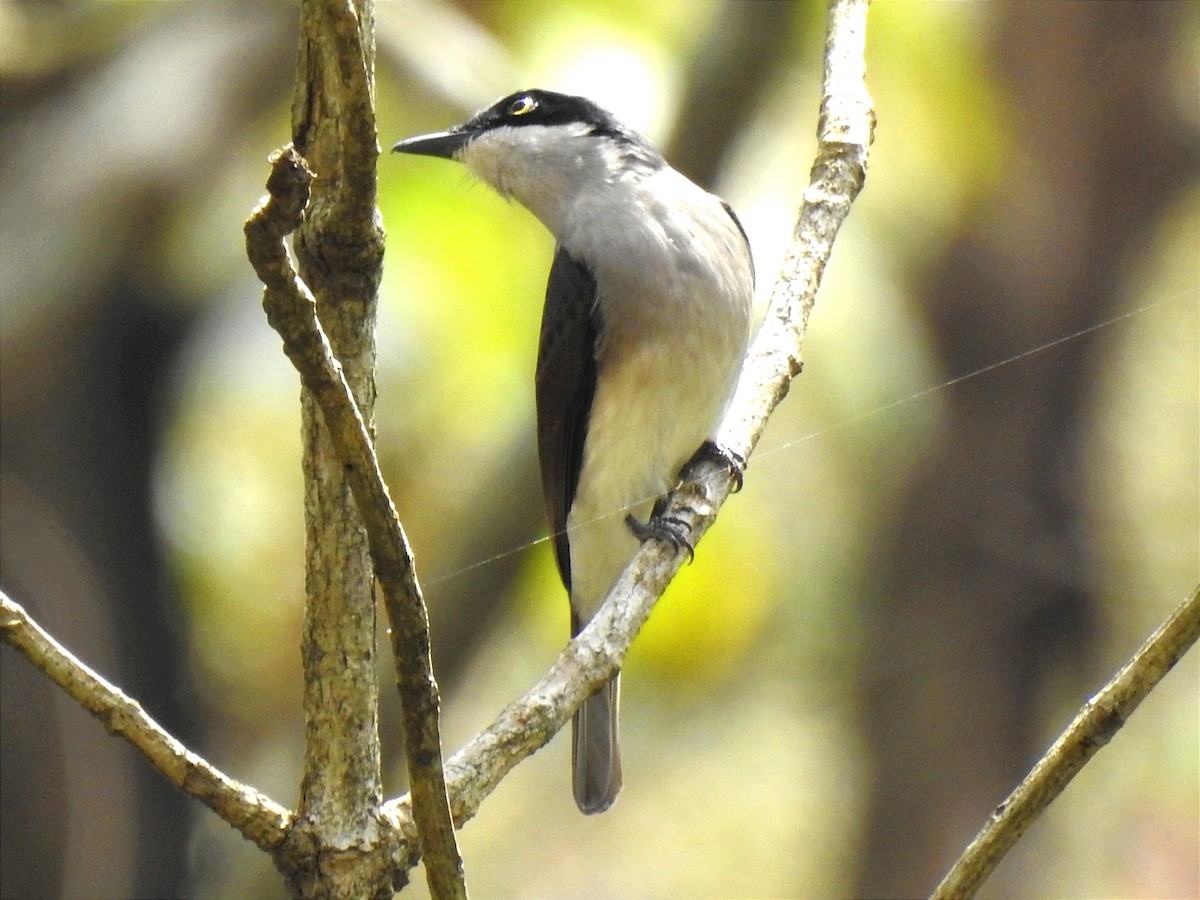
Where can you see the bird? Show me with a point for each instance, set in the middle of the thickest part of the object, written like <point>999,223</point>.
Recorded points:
<point>644,329</point>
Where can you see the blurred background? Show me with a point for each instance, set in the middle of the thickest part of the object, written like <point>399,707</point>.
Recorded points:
<point>978,499</point>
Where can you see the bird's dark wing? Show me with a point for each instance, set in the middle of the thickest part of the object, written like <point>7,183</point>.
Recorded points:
<point>745,237</point>
<point>566,384</point>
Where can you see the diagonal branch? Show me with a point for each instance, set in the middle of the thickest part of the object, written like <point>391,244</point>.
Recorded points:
<point>594,656</point>
<point>291,311</point>
<point>255,815</point>
<point>1094,726</point>
<point>845,132</point>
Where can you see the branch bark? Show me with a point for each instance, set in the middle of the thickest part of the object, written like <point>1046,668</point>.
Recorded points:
<point>327,322</point>
<point>291,311</point>
<point>1093,727</point>
<point>339,250</point>
<point>259,818</point>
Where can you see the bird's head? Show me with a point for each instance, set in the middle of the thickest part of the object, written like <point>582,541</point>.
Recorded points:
<point>542,148</point>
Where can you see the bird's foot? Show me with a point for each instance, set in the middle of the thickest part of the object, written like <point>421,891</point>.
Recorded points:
<point>666,528</point>
<point>723,456</point>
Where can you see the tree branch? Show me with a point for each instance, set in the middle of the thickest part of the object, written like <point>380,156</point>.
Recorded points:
<point>255,815</point>
<point>291,311</point>
<point>338,242</point>
<point>339,247</point>
<point>844,136</point>
<point>1094,726</point>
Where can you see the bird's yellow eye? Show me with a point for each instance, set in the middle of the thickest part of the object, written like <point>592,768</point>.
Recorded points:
<point>522,105</point>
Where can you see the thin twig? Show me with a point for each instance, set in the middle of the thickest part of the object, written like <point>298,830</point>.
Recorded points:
<point>291,311</point>
<point>844,137</point>
<point>255,815</point>
<point>1099,719</point>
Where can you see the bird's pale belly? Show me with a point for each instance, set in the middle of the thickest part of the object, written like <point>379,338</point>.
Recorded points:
<point>652,411</point>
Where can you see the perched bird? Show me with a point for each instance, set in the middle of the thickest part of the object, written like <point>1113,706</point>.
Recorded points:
<point>645,324</point>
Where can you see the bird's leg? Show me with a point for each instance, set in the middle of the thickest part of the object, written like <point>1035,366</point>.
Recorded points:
<point>666,528</point>
<point>723,456</point>
<point>675,531</point>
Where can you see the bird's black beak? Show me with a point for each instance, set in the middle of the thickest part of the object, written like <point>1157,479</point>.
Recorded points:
<point>445,144</point>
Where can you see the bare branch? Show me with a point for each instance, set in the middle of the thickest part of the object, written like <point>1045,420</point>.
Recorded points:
<point>339,248</point>
<point>291,311</point>
<point>338,243</point>
<point>594,656</point>
<point>255,815</point>
<point>1099,719</point>
<point>844,134</point>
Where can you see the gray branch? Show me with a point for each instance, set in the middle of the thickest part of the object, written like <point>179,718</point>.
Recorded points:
<point>844,134</point>
<point>291,311</point>
<point>325,314</point>
<point>259,818</point>
<point>1094,726</point>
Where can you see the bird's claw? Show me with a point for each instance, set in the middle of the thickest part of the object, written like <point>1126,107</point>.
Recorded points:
<point>734,462</point>
<point>668,529</point>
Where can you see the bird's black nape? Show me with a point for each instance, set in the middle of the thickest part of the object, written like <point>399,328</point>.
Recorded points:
<point>551,108</point>
<point>536,108</point>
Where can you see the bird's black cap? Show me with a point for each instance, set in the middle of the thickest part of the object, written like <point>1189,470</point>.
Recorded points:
<point>524,108</point>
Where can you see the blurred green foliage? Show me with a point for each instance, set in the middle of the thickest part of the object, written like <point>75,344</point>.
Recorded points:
<point>745,774</point>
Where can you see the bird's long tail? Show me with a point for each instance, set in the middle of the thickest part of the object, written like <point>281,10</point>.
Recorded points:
<point>596,758</point>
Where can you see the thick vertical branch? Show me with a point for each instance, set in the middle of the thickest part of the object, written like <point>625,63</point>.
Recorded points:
<point>339,248</point>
